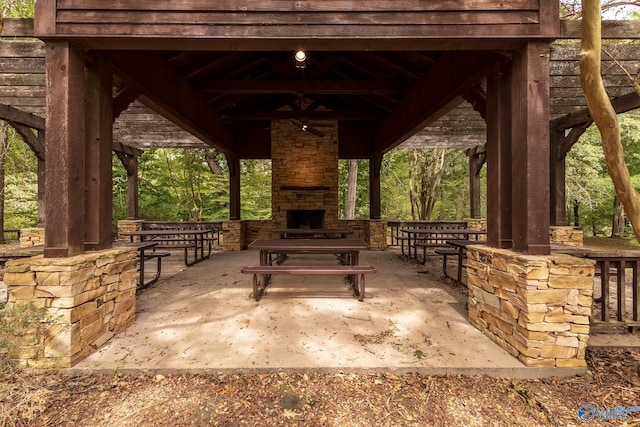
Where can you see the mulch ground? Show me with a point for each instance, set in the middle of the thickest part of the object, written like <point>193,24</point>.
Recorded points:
<point>609,394</point>
<point>326,399</point>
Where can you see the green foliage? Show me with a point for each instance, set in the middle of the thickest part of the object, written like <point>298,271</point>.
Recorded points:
<point>174,185</point>
<point>362,191</point>
<point>255,189</point>
<point>17,8</point>
<point>21,183</point>
<point>394,186</point>
<point>20,325</point>
<point>587,179</point>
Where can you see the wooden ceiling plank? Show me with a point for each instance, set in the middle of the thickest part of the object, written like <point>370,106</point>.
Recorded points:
<point>351,87</point>
<point>435,94</point>
<point>297,5</point>
<point>167,92</point>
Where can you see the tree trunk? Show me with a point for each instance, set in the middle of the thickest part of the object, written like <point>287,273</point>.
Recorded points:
<point>604,116</point>
<point>352,190</point>
<point>617,226</point>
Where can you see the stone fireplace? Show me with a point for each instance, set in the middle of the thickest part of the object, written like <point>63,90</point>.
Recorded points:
<point>304,177</point>
<point>305,218</point>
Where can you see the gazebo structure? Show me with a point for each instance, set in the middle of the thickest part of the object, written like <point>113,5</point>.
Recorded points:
<point>373,75</point>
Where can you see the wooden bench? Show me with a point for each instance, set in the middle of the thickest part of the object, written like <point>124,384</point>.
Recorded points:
<point>356,271</point>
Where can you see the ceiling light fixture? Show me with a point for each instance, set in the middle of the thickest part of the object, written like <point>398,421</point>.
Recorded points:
<point>301,59</point>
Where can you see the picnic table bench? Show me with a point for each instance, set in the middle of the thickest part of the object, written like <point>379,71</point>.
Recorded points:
<point>267,270</point>
<point>435,239</point>
<point>185,239</point>
<point>326,233</point>
<point>347,249</point>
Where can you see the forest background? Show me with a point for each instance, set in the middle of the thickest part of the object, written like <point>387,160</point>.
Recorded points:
<point>416,183</point>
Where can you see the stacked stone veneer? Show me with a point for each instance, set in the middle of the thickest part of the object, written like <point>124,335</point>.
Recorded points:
<point>477,224</point>
<point>89,298</point>
<point>535,307</point>
<point>126,225</point>
<point>566,235</point>
<point>304,172</point>
<point>31,237</point>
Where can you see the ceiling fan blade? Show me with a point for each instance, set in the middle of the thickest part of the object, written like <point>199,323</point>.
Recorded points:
<point>314,131</point>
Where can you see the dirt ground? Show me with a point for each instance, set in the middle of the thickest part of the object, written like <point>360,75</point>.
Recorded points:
<point>326,399</point>
<point>609,394</point>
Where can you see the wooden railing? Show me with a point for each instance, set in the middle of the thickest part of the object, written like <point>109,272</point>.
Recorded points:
<point>394,234</point>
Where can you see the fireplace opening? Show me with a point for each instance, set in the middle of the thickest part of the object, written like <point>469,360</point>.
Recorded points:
<point>305,218</point>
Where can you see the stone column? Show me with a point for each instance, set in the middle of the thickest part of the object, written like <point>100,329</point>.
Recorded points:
<point>31,237</point>
<point>535,307</point>
<point>377,234</point>
<point>125,225</point>
<point>89,298</point>
<point>566,235</point>
<point>233,232</point>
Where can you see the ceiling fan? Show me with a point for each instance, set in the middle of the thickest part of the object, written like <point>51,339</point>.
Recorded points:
<point>303,124</point>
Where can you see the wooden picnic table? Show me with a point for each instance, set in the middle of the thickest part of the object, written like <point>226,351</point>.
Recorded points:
<point>435,238</point>
<point>327,233</point>
<point>347,250</point>
<point>178,239</point>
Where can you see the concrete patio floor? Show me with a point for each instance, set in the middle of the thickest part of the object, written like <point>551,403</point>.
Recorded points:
<point>203,319</point>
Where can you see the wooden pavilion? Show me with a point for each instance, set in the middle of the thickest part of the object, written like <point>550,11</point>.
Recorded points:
<point>381,72</point>
<point>375,74</point>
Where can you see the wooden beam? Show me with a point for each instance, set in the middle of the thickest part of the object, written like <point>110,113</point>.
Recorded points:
<point>14,115</point>
<point>621,104</point>
<point>530,149</point>
<point>308,87</point>
<point>436,93</point>
<point>32,140</point>
<point>623,30</point>
<point>309,115</point>
<point>122,99</point>
<point>98,205</point>
<point>499,192</point>
<point>165,91</point>
<point>65,170</point>
<point>16,27</point>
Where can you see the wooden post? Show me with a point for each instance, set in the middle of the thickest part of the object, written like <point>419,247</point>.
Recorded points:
<point>42,217</point>
<point>234,186</point>
<point>65,146</point>
<point>477,158</point>
<point>530,148</point>
<point>98,188</point>
<point>375,164</point>
<point>132,188</point>
<point>499,156</point>
<point>557,166</point>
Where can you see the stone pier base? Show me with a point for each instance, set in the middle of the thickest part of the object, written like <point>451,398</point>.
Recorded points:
<point>31,237</point>
<point>535,307</point>
<point>126,225</point>
<point>89,298</point>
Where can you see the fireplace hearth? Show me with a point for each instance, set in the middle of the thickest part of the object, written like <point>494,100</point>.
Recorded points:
<point>305,218</point>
